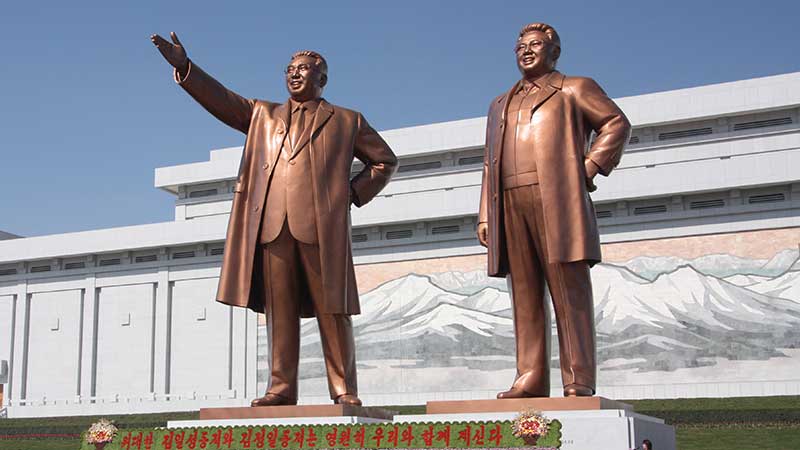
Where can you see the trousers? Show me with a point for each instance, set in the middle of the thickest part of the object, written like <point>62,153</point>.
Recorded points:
<point>570,287</point>
<point>292,273</point>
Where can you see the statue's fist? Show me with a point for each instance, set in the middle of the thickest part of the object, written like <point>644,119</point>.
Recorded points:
<point>483,234</point>
<point>173,52</point>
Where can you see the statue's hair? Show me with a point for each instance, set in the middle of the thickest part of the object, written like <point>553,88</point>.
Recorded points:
<point>549,31</point>
<point>320,61</point>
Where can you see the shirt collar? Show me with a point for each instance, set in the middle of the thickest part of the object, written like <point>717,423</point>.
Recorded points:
<point>311,105</point>
<point>526,85</point>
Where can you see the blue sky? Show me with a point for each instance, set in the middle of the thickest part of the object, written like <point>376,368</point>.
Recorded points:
<point>88,109</point>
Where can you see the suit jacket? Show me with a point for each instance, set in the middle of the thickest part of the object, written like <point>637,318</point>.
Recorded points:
<point>337,135</point>
<point>565,112</point>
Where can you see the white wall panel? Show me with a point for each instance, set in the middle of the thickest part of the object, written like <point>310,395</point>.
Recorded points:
<point>197,271</point>
<point>208,209</point>
<point>200,338</point>
<point>57,283</point>
<point>127,276</point>
<point>124,340</point>
<point>53,345</point>
<point>6,330</point>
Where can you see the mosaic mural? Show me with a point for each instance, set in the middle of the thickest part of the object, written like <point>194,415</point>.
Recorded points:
<point>658,318</point>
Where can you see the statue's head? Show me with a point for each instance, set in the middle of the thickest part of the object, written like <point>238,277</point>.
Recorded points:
<point>538,48</point>
<point>306,75</point>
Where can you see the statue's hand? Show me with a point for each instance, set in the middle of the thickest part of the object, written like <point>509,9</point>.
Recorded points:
<point>173,51</point>
<point>483,234</point>
<point>592,170</point>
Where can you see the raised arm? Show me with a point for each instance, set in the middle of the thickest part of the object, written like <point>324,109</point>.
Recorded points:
<point>224,104</point>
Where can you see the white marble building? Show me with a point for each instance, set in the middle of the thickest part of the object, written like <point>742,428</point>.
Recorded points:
<point>123,320</point>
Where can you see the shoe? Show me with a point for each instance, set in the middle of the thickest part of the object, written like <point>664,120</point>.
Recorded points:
<point>347,399</point>
<point>516,392</point>
<point>578,390</point>
<point>270,399</point>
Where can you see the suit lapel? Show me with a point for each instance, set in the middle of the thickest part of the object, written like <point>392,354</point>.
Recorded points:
<point>282,112</point>
<point>324,112</point>
<point>547,89</point>
<point>505,100</point>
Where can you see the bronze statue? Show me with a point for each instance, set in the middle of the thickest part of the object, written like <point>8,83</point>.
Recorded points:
<point>536,217</point>
<point>288,250</point>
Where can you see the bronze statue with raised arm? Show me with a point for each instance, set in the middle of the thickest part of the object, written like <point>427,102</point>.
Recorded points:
<point>288,252</point>
<point>536,217</point>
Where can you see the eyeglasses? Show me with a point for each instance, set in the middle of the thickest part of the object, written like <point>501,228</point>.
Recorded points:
<point>523,47</point>
<point>303,68</point>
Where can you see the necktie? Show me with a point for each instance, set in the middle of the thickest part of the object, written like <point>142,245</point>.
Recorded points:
<point>298,125</point>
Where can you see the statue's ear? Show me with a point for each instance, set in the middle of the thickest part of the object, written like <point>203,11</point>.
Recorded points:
<point>556,53</point>
<point>323,80</point>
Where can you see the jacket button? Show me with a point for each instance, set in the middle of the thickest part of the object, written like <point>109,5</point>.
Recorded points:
<point>292,162</point>
<point>502,125</point>
<point>494,160</point>
<point>256,208</point>
<point>280,131</point>
<point>265,166</point>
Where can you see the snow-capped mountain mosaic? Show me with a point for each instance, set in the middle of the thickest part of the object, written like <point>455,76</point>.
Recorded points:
<point>652,314</point>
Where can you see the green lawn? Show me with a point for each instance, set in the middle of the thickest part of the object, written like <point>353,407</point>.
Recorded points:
<point>40,444</point>
<point>728,438</point>
<point>761,423</point>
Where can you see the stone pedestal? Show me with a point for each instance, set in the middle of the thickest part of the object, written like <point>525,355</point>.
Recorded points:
<point>520,404</point>
<point>587,422</point>
<point>286,415</point>
<point>606,429</point>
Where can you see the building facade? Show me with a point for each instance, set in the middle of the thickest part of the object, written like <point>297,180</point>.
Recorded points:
<point>698,294</point>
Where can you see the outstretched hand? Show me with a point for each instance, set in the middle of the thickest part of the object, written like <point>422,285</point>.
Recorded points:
<point>173,51</point>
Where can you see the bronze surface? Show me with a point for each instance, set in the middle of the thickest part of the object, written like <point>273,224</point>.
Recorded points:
<point>542,229</point>
<point>305,170</point>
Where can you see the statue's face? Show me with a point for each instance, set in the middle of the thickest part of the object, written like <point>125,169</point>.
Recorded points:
<point>536,55</point>
<point>304,80</point>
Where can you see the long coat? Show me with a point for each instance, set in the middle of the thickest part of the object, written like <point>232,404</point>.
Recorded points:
<point>565,112</point>
<point>337,135</point>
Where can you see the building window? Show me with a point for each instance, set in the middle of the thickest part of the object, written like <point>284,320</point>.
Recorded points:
<point>684,133</point>
<point>182,255</point>
<point>634,140</point>
<point>12,271</point>
<point>445,229</point>
<point>217,251</point>
<point>39,269</point>
<point>654,209</point>
<point>146,258</point>
<point>470,160</point>
<point>705,204</point>
<point>420,166</point>
<point>399,234</point>
<point>762,123</point>
<point>110,262</point>
<point>75,265</point>
<point>604,214</point>
<point>203,193</point>
<point>361,237</point>
<point>766,198</point>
